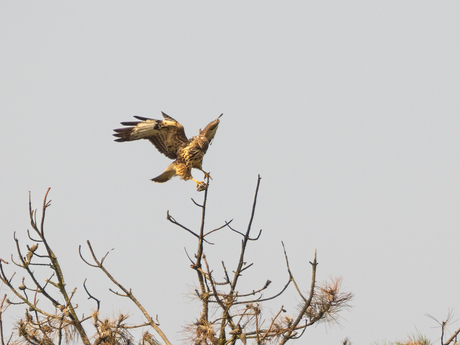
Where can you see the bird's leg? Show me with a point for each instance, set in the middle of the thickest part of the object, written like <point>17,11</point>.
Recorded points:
<point>200,185</point>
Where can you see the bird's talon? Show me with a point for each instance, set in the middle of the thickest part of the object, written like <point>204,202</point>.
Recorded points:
<point>201,186</point>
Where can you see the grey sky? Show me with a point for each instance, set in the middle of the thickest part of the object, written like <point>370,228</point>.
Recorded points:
<point>349,110</point>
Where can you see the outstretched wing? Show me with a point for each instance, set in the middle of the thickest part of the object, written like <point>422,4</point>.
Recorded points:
<point>167,135</point>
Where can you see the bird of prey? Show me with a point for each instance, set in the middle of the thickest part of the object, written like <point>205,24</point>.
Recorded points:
<point>169,138</point>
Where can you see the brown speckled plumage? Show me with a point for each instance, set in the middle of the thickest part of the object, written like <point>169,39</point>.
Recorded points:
<point>168,136</point>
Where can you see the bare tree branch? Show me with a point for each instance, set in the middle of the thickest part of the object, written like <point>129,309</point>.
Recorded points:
<point>2,340</point>
<point>226,316</point>
<point>129,295</point>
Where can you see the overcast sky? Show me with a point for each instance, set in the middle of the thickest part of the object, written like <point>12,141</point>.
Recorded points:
<point>349,110</point>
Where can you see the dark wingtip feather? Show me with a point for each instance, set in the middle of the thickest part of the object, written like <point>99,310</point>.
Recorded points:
<point>123,133</point>
<point>141,118</point>
<point>120,138</point>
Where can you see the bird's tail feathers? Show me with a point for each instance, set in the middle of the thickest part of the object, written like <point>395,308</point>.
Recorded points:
<point>167,174</point>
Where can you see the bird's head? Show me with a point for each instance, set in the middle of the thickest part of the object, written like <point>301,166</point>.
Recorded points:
<point>210,130</point>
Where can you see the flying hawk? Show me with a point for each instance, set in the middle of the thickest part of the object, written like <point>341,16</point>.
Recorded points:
<point>169,138</point>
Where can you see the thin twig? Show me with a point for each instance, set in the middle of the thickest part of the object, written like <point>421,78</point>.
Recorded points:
<point>197,204</point>
<point>268,298</point>
<point>272,324</point>
<point>307,304</point>
<point>226,273</point>
<point>220,227</point>
<point>291,276</point>
<point>238,232</point>
<point>186,253</point>
<point>2,342</point>
<point>267,283</point>
<point>32,239</point>
<point>245,240</point>
<point>172,220</point>
<point>98,302</point>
